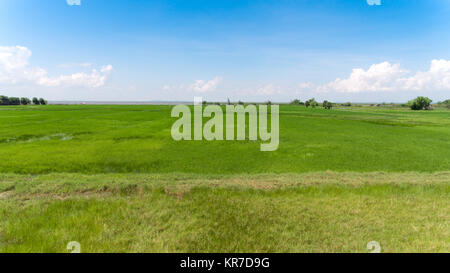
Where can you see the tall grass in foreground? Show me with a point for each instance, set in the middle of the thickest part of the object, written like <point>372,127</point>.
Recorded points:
<point>322,212</point>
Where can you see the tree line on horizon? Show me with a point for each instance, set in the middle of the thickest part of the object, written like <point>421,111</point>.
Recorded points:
<point>419,103</point>
<point>313,103</point>
<point>5,100</point>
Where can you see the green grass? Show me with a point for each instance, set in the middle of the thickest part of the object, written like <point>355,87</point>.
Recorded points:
<point>315,212</point>
<point>103,139</point>
<point>112,178</point>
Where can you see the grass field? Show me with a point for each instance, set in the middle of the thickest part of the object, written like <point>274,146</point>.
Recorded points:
<point>104,139</point>
<point>112,178</point>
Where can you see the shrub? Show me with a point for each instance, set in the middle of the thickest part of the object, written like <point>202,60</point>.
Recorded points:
<point>420,103</point>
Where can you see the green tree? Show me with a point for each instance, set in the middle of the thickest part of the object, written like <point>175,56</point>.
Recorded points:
<point>446,103</point>
<point>296,102</point>
<point>4,100</point>
<point>35,101</point>
<point>420,103</point>
<point>42,101</point>
<point>311,102</point>
<point>14,101</point>
<point>327,105</point>
<point>24,101</point>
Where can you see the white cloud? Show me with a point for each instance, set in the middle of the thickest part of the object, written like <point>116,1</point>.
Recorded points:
<point>73,2</point>
<point>391,77</point>
<point>14,68</point>
<point>379,77</point>
<point>202,86</point>
<point>436,78</point>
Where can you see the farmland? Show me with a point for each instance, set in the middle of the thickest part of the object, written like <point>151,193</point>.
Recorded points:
<point>123,139</point>
<point>112,178</point>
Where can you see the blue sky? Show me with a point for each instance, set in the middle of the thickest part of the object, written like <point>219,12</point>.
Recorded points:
<point>242,50</point>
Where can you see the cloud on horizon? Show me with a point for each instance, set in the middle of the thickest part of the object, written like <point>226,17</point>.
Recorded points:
<point>202,86</point>
<point>15,69</point>
<point>387,77</point>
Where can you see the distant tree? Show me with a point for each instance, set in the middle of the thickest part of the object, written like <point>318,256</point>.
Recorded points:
<point>228,101</point>
<point>296,102</point>
<point>348,104</point>
<point>25,101</point>
<point>311,102</point>
<point>420,103</point>
<point>446,103</point>
<point>327,105</point>
<point>4,100</point>
<point>240,102</point>
<point>42,101</point>
<point>269,102</point>
<point>14,101</point>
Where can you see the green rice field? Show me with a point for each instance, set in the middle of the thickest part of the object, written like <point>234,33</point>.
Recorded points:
<point>112,178</point>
